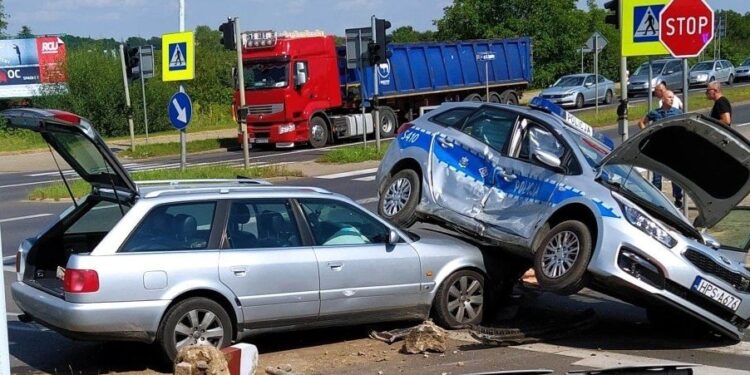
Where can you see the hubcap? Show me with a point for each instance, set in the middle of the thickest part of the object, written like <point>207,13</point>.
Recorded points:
<point>386,125</point>
<point>465,299</point>
<point>198,327</point>
<point>396,196</point>
<point>318,133</point>
<point>560,254</point>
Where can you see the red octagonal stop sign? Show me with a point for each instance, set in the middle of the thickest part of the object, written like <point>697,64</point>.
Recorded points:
<point>686,27</point>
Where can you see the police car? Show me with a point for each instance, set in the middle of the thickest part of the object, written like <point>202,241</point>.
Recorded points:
<point>538,182</point>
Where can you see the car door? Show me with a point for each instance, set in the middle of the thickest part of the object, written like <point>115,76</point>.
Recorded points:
<point>462,160</point>
<point>518,201</point>
<point>362,276</point>
<point>267,264</point>
<point>722,71</point>
<point>673,75</point>
<point>733,233</point>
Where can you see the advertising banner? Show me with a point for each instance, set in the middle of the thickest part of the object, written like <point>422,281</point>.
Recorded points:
<point>28,65</point>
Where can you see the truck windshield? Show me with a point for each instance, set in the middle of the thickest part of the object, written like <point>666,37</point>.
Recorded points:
<point>266,75</point>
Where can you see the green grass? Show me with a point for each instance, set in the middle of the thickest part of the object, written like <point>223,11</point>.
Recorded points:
<point>143,151</point>
<point>80,188</point>
<point>20,140</point>
<point>355,154</point>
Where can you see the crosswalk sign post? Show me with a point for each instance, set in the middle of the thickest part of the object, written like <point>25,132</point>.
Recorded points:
<point>178,64</point>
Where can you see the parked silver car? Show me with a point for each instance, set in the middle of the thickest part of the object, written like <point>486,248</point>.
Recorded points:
<point>714,70</point>
<point>579,89</point>
<point>743,70</point>
<point>187,262</point>
<point>668,71</point>
<point>539,183</point>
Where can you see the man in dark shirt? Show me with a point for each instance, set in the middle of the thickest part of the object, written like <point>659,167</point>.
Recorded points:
<point>722,109</point>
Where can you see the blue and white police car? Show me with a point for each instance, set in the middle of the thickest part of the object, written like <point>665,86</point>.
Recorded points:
<point>539,182</point>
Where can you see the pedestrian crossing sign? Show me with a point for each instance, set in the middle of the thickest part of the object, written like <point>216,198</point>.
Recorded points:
<point>177,56</point>
<point>640,28</point>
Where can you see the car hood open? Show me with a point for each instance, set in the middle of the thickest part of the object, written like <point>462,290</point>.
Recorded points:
<point>78,143</point>
<point>709,160</point>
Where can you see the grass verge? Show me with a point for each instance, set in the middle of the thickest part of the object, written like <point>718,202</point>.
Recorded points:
<point>355,154</point>
<point>57,191</point>
<point>143,151</point>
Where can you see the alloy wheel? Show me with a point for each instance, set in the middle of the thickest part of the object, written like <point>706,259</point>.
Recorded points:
<point>560,254</point>
<point>198,327</point>
<point>396,196</point>
<point>465,299</point>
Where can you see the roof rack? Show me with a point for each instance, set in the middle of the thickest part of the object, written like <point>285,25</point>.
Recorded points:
<point>231,189</point>
<point>238,181</point>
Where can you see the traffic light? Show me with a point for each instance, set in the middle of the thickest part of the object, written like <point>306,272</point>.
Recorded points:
<point>227,39</point>
<point>613,16</point>
<point>378,50</point>
<point>132,62</point>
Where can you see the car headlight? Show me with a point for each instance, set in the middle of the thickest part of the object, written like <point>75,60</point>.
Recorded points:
<point>702,77</point>
<point>286,128</point>
<point>639,220</point>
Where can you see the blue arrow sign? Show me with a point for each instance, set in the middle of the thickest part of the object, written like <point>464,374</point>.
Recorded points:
<point>180,110</point>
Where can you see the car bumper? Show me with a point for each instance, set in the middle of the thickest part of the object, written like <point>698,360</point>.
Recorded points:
<point>281,135</point>
<point>131,321</point>
<point>638,89</point>
<point>566,101</point>
<point>632,260</point>
<point>743,75</point>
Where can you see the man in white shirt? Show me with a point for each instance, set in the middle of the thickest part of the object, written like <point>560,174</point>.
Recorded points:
<point>659,91</point>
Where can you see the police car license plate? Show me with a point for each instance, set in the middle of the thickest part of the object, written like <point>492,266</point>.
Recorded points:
<point>258,140</point>
<point>716,293</point>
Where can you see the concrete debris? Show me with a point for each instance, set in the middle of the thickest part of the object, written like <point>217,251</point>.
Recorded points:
<point>285,369</point>
<point>425,337</point>
<point>199,360</point>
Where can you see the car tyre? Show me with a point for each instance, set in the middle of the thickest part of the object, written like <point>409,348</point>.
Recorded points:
<point>561,259</point>
<point>318,132</point>
<point>460,300</point>
<point>579,101</point>
<point>213,325</point>
<point>398,201</point>
<point>388,121</point>
<point>608,97</point>
<point>730,81</point>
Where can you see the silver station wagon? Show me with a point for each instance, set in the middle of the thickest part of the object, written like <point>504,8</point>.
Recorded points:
<point>540,183</point>
<point>189,262</point>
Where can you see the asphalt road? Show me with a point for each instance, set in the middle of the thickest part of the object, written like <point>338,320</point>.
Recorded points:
<point>622,335</point>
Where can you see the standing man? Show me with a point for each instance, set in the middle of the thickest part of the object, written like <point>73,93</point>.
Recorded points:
<point>659,91</point>
<point>666,110</point>
<point>722,109</point>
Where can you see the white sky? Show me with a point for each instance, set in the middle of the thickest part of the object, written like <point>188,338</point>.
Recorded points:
<point>120,19</point>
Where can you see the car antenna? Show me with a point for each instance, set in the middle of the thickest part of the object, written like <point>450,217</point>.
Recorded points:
<point>65,180</point>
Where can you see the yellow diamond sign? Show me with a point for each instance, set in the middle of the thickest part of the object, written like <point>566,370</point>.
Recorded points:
<point>177,56</point>
<point>640,27</point>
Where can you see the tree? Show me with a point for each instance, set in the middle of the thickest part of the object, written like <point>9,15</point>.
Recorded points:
<point>25,32</point>
<point>557,29</point>
<point>407,34</point>
<point>3,22</point>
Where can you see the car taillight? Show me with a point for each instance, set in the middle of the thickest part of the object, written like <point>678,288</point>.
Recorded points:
<point>404,127</point>
<point>80,281</point>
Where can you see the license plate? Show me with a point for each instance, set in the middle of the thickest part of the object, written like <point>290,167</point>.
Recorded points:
<point>716,293</point>
<point>258,140</point>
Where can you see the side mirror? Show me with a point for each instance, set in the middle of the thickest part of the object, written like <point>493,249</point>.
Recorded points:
<point>588,84</point>
<point>670,71</point>
<point>547,158</point>
<point>300,73</point>
<point>393,237</point>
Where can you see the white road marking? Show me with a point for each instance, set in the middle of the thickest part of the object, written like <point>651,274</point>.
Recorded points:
<point>24,218</point>
<point>604,359</point>
<point>745,124</point>
<point>10,259</point>
<point>29,183</point>
<point>348,174</point>
<point>367,200</point>
<point>365,179</point>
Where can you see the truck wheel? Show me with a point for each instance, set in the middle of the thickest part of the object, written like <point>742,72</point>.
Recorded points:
<point>473,98</point>
<point>459,302</point>
<point>561,258</point>
<point>494,97</point>
<point>388,121</point>
<point>318,132</point>
<point>509,97</point>
<point>398,202</point>
<point>194,321</point>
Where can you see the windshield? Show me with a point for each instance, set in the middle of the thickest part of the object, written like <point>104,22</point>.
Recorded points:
<point>745,63</point>
<point>266,74</point>
<point>568,81</point>
<point>655,69</point>
<point>703,66</point>
<point>626,177</point>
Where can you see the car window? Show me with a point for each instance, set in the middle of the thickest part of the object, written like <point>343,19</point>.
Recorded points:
<point>491,126</point>
<point>99,219</point>
<point>335,223</point>
<point>453,117</point>
<point>538,138</point>
<point>182,226</point>
<point>262,223</point>
<point>589,79</point>
<point>601,79</point>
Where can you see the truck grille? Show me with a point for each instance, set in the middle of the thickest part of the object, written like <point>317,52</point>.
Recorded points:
<point>708,265</point>
<point>265,109</point>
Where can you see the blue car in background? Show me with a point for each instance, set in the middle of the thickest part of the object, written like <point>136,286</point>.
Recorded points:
<point>579,89</point>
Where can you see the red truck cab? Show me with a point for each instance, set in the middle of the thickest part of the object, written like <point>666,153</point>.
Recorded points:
<point>291,80</point>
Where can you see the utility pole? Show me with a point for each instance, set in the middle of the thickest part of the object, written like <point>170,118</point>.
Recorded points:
<point>183,131</point>
<point>241,88</point>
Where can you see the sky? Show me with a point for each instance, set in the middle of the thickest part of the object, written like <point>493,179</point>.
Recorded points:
<point>120,19</point>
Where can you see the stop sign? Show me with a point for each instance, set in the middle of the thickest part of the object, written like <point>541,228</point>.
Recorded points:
<point>686,27</point>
